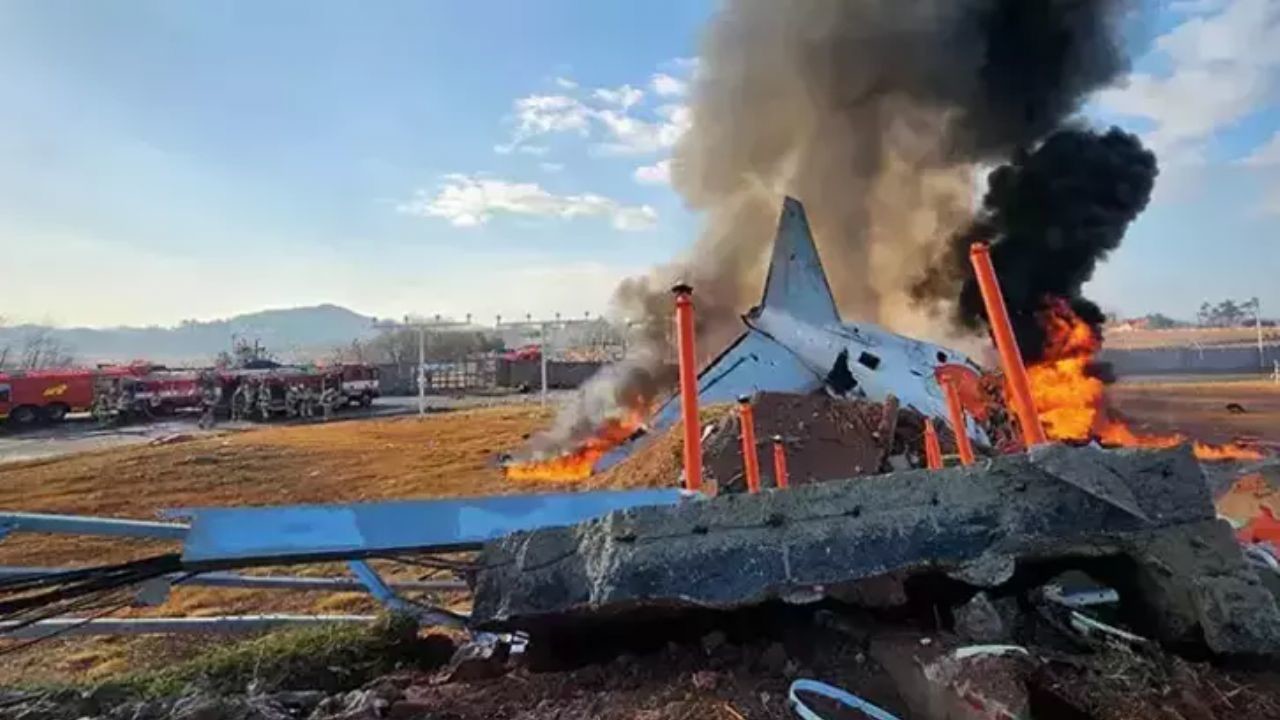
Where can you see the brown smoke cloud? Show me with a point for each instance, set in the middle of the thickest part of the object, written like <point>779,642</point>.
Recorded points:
<point>875,114</point>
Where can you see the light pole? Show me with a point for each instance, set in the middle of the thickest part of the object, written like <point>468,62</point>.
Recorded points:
<point>1257,326</point>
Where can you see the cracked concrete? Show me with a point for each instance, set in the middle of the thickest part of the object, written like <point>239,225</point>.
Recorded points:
<point>857,539</point>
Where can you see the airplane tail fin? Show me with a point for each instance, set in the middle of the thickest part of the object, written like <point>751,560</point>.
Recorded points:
<point>796,282</point>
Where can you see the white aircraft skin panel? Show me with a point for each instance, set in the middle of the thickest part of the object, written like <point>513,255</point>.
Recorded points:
<point>905,368</point>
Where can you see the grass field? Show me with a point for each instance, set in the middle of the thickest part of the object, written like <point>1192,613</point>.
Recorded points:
<point>450,454</point>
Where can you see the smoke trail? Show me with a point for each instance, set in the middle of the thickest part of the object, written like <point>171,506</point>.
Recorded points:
<point>1052,215</point>
<point>872,113</point>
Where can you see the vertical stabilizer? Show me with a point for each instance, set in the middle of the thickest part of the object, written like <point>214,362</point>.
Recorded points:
<point>796,283</point>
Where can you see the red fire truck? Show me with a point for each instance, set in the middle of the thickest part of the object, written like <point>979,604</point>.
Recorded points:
<point>30,397</point>
<point>165,391</point>
<point>360,383</point>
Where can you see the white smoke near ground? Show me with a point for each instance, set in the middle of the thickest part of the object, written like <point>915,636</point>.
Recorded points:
<point>874,114</point>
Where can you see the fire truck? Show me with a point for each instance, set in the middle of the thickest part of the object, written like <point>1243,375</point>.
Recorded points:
<point>164,392</point>
<point>140,391</point>
<point>360,383</point>
<point>31,397</point>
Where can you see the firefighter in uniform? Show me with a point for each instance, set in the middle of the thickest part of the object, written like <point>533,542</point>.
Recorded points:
<point>237,400</point>
<point>209,396</point>
<point>292,400</point>
<point>308,401</point>
<point>328,400</point>
<point>250,397</point>
<point>264,400</point>
<point>104,401</point>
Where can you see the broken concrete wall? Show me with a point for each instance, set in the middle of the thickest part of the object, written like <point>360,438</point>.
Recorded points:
<point>858,539</point>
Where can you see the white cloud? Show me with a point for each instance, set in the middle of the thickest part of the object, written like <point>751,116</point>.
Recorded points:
<point>467,201</point>
<point>1224,68</point>
<point>657,174</point>
<point>631,135</point>
<point>624,96</point>
<point>566,83</point>
<point>684,64</point>
<point>551,166</point>
<point>542,114</point>
<point>1197,7</point>
<point>1266,154</point>
<point>668,86</point>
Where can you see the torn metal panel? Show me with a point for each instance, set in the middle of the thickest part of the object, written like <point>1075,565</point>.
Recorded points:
<point>266,535</point>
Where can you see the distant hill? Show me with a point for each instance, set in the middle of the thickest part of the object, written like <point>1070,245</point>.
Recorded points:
<point>291,334</point>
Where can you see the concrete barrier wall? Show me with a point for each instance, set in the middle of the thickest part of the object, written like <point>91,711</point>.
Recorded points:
<point>1159,361</point>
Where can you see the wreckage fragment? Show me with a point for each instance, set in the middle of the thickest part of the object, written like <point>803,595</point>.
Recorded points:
<point>859,540</point>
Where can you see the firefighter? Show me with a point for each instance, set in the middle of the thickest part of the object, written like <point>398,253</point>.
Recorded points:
<point>308,401</point>
<point>292,400</point>
<point>328,400</point>
<point>126,400</point>
<point>250,398</point>
<point>104,401</point>
<point>264,400</point>
<point>209,396</point>
<point>237,401</point>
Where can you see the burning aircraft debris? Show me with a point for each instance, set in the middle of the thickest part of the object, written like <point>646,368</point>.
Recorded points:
<point>795,341</point>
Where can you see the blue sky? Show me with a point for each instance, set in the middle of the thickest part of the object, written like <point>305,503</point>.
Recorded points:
<point>162,160</point>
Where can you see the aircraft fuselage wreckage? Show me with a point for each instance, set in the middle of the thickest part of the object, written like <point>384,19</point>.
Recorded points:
<point>796,342</point>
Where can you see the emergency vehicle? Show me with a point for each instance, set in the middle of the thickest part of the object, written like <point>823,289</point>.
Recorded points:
<point>35,396</point>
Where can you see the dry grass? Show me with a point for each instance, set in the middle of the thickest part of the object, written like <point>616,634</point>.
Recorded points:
<point>443,455</point>
<point>1187,337</point>
<point>1199,409</point>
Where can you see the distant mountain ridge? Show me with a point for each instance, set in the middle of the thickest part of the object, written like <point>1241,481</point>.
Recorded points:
<point>292,334</point>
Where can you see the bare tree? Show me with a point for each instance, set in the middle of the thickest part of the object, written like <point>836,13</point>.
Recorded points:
<point>400,345</point>
<point>355,352</point>
<point>40,349</point>
<point>4,347</point>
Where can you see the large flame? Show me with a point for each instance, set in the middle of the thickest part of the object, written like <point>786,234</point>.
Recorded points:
<point>578,463</point>
<point>1071,401</point>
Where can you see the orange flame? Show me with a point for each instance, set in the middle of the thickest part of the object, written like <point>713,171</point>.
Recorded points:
<point>1072,403</point>
<point>577,464</point>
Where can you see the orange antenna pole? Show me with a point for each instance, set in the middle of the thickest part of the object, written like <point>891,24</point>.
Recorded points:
<point>932,450</point>
<point>779,463</point>
<point>688,388</point>
<point>750,461</point>
<point>956,409</point>
<point>1006,344</point>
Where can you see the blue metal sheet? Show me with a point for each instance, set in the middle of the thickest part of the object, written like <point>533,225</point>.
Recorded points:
<point>85,525</point>
<point>239,536</point>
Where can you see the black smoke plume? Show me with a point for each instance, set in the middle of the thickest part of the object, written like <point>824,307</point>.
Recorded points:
<point>1051,215</point>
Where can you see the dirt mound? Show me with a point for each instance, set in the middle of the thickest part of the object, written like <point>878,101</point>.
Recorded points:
<point>825,438</point>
